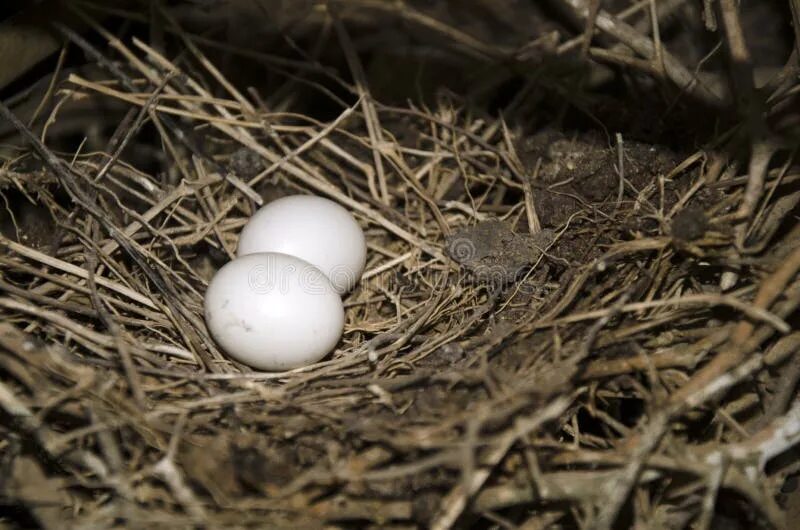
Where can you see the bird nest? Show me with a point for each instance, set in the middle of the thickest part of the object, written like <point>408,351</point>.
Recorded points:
<point>579,308</point>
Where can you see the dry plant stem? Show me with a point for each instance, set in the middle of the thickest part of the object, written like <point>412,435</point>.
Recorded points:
<point>209,207</point>
<point>766,444</point>
<point>741,64</point>
<point>677,72</point>
<point>786,392</point>
<point>185,137</point>
<point>120,338</point>
<point>658,59</point>
<point>702,463</point>
<point>695,391</point>
<point>556,486</point>
<point>44,259</point>
<point>455,502</point>
<point>534,226</point>
<point>620,171</point>
<point>684,356</point>
<point>441,386</point>
<point>771,288</point>
<point>368,109</point>
<point>762,149</point>
<point>143,112</point>
<point>469,44</point>
<point>46,300</point>
<point>208,65</point>
<point>407,174</point>
<point>308,144</point>
<point>47,359</point>
<point>73,327</point>
<point>762,153</point>
<point>164,109</point>
<point>795,7</point>
<point>667,7</point>
<point>318,183</point>
<point>79,196</point>
<point>69,283</point>
<point>752,311</point>
<point>588,32</point>
<point>616,490</point>
<point>167,202</point>
<point>172,476</point>
<point>780,207</point>
<point>305,174</point>
<point>48,95</point>
<point>710,381</point>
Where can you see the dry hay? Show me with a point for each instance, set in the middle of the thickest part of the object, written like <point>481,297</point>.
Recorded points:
<point>554,330</point>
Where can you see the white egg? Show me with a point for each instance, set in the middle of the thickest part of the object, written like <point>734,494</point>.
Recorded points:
<point>272,311</point>
<point>312,228</point>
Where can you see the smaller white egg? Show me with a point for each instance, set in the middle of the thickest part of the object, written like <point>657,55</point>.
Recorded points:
<point>272,311</point>
<point>314,229</point>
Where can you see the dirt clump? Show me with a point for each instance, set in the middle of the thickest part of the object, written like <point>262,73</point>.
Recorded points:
<point>583,172</point>
<point>689,224</point>
<point>493,253</point>
<point>246,163</point>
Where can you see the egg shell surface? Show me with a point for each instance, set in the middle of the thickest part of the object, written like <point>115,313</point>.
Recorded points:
<point>273,311</point>
<point>314,229</point>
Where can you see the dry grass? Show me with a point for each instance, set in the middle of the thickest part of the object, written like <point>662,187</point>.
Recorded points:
<point>628,378</point>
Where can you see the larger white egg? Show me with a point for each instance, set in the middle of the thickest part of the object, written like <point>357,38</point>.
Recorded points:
<point>272,311</point>
<point>312,228</point>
